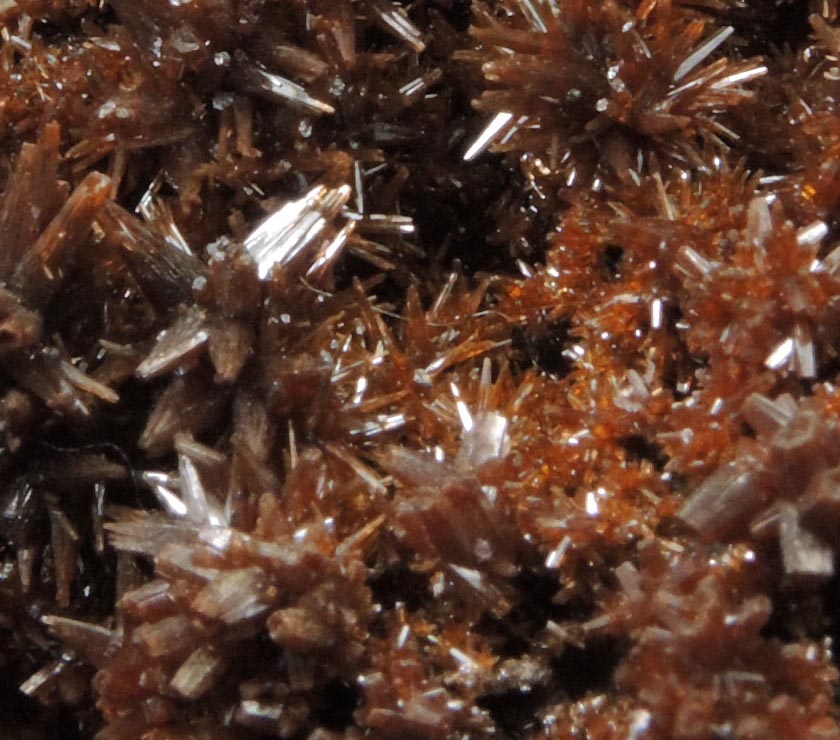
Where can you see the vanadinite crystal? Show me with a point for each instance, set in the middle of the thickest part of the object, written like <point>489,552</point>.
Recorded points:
<point>419,370</point>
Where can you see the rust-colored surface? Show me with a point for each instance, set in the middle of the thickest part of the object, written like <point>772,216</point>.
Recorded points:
<point>445,369</point>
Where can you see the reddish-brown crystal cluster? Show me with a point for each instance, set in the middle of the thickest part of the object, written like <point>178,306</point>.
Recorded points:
<point>434,369</point>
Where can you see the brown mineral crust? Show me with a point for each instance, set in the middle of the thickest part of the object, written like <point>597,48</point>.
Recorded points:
<point>728,668</point>
<point>448,369</point>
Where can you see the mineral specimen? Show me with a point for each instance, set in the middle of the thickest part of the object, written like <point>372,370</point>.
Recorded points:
<point>444,369</point>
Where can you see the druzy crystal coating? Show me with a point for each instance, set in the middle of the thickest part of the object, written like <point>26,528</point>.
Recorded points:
<point>440,369</point>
